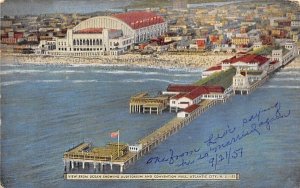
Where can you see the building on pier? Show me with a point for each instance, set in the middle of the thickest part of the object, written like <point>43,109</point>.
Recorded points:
<point>187,95</point>
<point>187,112</point>
<point>286,53</point>
<point>247,62</point>
<point>241,61</point>
<point>85,153</point>
<point>135,148</point>
<point>245,81</point>
<point>107,35</point>
<point>143,103</point>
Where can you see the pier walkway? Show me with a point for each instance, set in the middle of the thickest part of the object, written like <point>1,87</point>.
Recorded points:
<point>84,153</point>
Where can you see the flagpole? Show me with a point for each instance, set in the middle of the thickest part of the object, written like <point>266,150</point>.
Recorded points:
<point>118,143</point>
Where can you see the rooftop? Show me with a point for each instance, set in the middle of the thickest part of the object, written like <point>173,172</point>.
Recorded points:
<point>198,90</point>
<point>248,58</point>
<point>223,78</point>
<point>191,108</point>
<point>181,88</point>
<point>92,30</point>
<point>217,67</point>
<point>139,19</point>
<point>196,93</point>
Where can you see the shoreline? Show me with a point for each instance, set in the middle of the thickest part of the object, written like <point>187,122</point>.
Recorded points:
<point>295,64</point>
<point>165,61</point>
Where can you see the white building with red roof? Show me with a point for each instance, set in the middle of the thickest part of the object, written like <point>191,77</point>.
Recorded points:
<point>242,61</point>
<point>247,62</point>
<point>187,95</point>
<point>187,111</point>
<point>110,35</point>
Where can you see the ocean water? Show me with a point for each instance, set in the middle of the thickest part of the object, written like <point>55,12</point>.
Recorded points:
<point>36,7</point>
<point>47,109</point>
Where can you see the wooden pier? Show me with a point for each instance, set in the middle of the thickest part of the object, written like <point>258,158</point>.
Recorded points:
<point>143,103</point>
<point>161,134</point>
<point>119,154</point>
<point>85,154</point>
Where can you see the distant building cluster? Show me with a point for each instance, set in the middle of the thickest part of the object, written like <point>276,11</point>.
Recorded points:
<point>231,28</point>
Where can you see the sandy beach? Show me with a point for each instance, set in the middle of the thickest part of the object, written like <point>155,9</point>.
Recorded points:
<point>161,61</point>
<point>295,63</point>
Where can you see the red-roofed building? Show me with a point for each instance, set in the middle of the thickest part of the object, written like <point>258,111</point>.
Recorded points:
<point>189,95</point>
<point>139,19</point>
<point>110,35</point>
<point>187,111</point>
<point>211,70</point>
<point>176,88</point>
<point>247,62</point>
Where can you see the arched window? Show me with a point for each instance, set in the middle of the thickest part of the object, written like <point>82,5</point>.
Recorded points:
<point>83,42</point>
<point>77,42</point>
<point>100,41</point>
<point>91,42</point>
<point>97,42</point>
<point>94,42</point>
<point>80,42</point>
<point>74,42</point>
<point>87,42</point>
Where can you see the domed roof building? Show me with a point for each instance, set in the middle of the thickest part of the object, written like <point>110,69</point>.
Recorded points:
<point>110,35</point>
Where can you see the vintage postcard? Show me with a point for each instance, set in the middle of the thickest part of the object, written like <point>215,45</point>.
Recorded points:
<point>148,93</point>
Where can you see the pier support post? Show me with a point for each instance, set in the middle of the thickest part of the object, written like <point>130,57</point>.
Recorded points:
<point>83,163</point>
<point>111,166</point>
<point>121,168</point>
<point>72,163</point>
<point>101,167</point>
<point>95,166</point>
<point>65,165</point>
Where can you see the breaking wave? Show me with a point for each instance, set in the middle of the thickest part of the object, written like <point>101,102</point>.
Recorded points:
<point>20,72</point>
<point>12,83</point>
<point>286,79</point>
<point>280,87</point>
<point>66,71</point>
<point>288,73</point>
<point>8,83</point>
<point>147,80</point>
